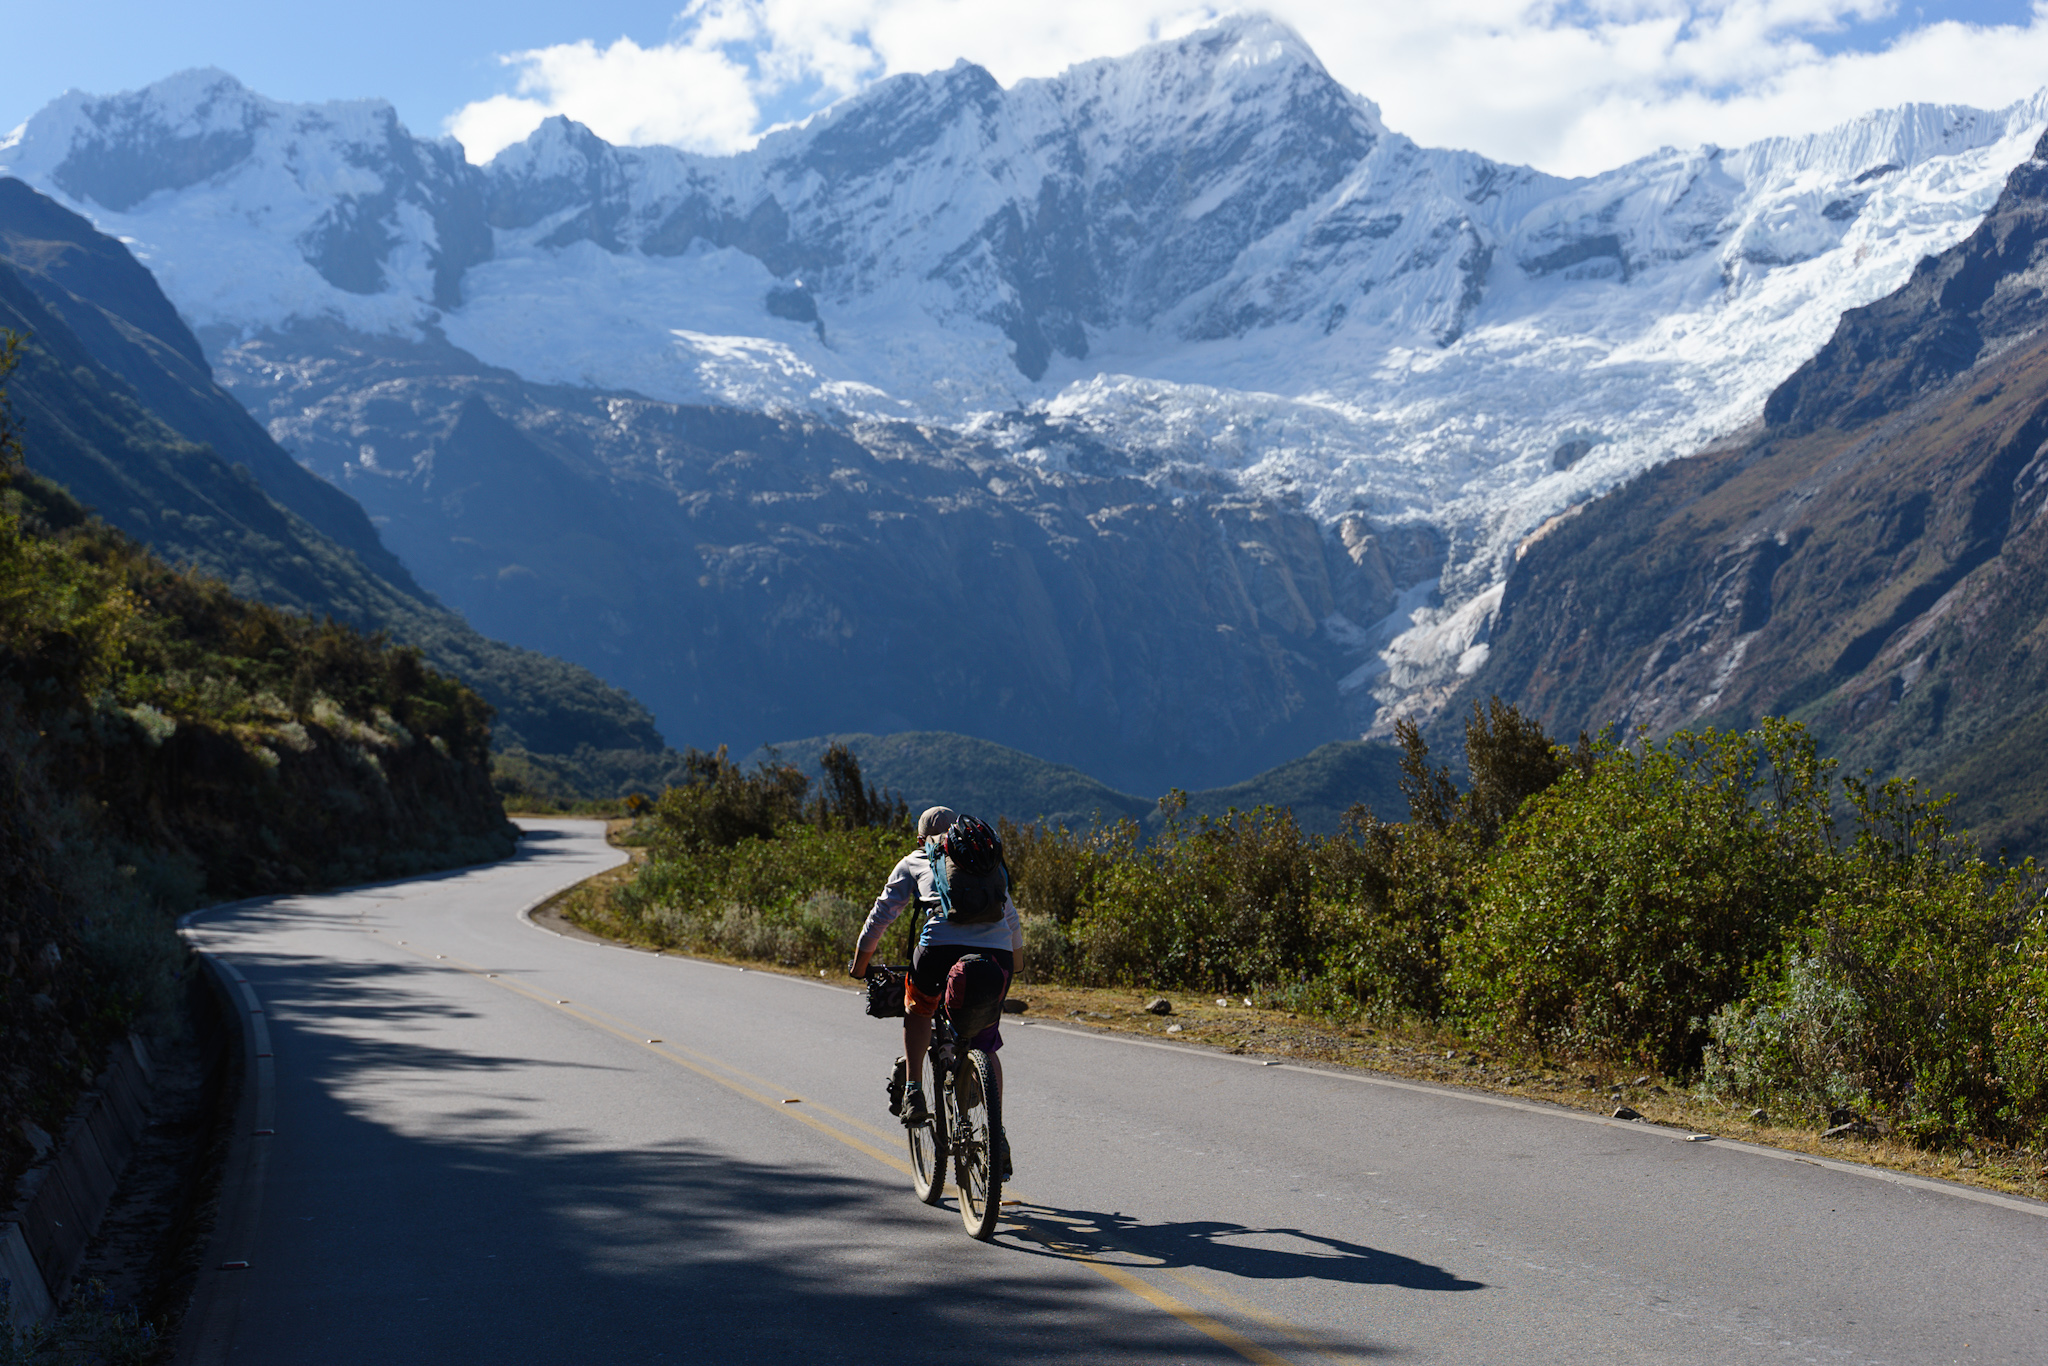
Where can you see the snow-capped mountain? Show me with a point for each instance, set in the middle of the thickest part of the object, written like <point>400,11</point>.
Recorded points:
<point>1206,259</point>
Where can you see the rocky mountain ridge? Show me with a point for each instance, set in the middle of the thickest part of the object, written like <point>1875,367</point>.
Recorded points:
<point>1205,266</point>
<point>752,572</point>
<point>1871,559</point>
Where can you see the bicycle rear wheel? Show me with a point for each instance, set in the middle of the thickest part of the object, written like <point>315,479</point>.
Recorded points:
<point>977,1120</point>
<point>928,1142</point>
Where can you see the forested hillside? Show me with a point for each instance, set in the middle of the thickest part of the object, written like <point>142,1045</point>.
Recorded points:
<point>165,742</point>
<point>929,768</point>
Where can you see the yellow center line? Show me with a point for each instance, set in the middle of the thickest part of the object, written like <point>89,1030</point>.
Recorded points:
<point>1116,1275</point>
<point>1273,1321</point>
<point>1159,1299</point>
<point>627,1030</point>
<point>638,1038</point>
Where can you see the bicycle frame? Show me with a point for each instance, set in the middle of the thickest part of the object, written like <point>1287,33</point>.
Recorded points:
<point>965,1114</point>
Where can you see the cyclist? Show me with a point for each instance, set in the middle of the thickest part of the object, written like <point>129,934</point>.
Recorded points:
<point>940,946</point>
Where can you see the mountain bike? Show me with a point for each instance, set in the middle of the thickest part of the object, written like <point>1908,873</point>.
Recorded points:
<point>964,1115</point>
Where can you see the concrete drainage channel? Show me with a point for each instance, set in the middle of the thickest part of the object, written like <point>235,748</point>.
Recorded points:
<point>59,1202</point>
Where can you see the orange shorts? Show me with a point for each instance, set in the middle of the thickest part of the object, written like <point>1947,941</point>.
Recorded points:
<point>916,1002</point>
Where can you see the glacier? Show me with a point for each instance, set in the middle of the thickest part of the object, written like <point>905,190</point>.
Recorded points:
<point>1205,262</point>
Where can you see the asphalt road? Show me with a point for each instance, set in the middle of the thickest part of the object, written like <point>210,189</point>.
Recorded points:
<point>481,1153</point>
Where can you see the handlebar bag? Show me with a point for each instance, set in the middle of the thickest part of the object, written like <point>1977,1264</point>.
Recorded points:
<point>885,993</point>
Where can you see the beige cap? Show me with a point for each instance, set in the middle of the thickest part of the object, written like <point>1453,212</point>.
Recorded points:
<point>936,820</point>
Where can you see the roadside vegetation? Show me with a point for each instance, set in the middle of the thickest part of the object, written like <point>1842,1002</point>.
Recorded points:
<point>1684,919</point>
<point>165,743</point>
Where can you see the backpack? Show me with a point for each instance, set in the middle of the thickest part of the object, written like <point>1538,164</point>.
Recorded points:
<point>968,873</point>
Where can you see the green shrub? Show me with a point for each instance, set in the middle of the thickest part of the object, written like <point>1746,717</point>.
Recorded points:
<point>1509,759</point>
<point>1053,871</point>
<point>1221,904</point>
<point>1921,930</point>
<point>781,873</point>
<point>1054,874</point>
<point>850,803</point>
<point>1385,898</point>
<point>1388,895</point>
<point>1797,1044</point>
<point>2020,1034</point>
<point>798,899</point>
<point>814,933</point>
<point>1048,949</point>
<point>1630,901</point>
<point>719,805</point>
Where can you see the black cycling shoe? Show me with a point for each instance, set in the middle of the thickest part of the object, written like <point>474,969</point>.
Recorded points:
<point>914,1112</point>
<point>896,1082</point>
<point>1003,1154</point>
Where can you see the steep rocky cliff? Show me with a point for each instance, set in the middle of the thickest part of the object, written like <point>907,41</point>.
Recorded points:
<point>1871,558</point>
<point>756,576</point>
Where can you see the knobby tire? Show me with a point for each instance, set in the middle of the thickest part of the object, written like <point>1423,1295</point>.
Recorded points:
<point>928,1141</point>
<point>977,1121</point>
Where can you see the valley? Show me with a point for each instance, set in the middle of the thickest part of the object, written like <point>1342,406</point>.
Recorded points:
<point>992,781</point>
<point>1486,631</point>
<point>117,403</point>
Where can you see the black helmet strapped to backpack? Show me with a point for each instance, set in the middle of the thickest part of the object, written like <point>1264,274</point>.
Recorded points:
<point>972,845</point>
<point>968,872</point>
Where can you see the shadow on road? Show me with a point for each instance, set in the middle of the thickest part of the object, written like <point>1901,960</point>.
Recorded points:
<point>1233,1249</point>
<point>431,1201</point>
<point>537,839</point>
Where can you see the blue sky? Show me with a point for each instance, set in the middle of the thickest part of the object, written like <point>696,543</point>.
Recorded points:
<point>1874,33</point>
<point>1573,85</point>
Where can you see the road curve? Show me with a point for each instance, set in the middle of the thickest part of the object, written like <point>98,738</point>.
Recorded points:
<point>496,1144</point>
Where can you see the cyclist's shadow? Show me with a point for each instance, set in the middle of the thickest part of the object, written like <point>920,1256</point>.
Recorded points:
<point>1232,1249</point>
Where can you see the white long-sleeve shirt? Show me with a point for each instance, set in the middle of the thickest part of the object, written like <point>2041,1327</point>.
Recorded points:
<point>910,883</point>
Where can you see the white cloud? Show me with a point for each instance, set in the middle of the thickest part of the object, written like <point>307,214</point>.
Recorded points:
<point>1573,86</point>
<point>688,94</point>
<point>487,127</point>
<point>1522,83</point>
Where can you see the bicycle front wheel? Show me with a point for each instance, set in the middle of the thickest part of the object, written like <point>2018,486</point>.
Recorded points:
<point>978,1117</point>
<point>928,1142</point>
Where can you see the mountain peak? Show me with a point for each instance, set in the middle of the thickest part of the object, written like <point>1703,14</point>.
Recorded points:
<point>556,144</point>
<point>117,150</point>
<point>1256,37</point>
<point>1954,309</point>
<point>1207,255</point>
<point>1238,47</point>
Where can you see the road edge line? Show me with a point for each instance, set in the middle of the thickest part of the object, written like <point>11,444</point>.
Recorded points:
<point>525,912</point>
<point>2018,1204</point>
